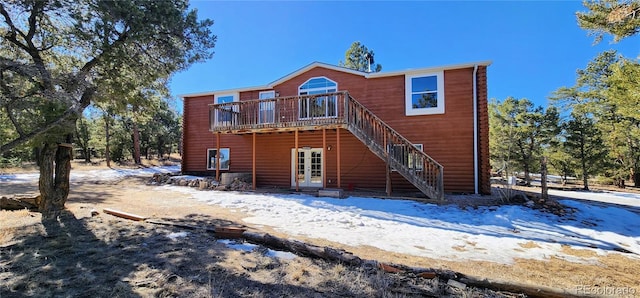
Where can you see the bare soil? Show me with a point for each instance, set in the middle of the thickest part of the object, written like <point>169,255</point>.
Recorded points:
<point>85,255</point>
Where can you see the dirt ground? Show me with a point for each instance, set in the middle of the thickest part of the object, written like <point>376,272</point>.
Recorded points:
<point>84,255</point>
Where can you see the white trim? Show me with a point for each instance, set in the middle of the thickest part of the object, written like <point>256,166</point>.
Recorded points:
<point>307,170</point>
<point>265,92</point>
<point>408,102</point>
<point>314,65</point>
<point>340,69</point>
<point>210,164</point>
<point>223,91</point>
<point>235,95</point>
<point>267,108</point>
<point>427,69</point>
<point>335,111</point>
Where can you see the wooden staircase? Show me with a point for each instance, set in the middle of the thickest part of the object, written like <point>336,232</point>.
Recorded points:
<point>395,150</point>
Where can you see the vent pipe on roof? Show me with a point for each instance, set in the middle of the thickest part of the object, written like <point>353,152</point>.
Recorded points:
<point>369,58</point>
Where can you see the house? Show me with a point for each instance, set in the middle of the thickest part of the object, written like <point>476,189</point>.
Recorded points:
<point>324,126</point>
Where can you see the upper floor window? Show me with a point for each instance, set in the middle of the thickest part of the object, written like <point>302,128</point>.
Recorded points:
<point>424,94</point>
<point>266,113</point>
<point>318,107</point>
<point>225,115</point>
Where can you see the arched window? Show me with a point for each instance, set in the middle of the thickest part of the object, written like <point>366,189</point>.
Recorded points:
<point>321,106</point>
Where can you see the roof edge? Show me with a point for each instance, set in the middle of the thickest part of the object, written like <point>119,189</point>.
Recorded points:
<point>316,64</point>
<point>212,92</point>
<point>341,69</point>
<point>428,69</point>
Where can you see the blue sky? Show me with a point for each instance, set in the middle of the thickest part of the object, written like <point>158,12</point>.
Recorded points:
<point>536,47</point>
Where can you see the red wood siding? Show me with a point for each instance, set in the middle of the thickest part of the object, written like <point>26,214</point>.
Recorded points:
<point>448,137</point>
<point>483,136</point>
<point>196,137</point>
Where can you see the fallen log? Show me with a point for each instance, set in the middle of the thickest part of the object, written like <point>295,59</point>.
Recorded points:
<point>17,203</point>
<point>179,225</point>
<point>529,290</point>
<point>122,214</point>
<point>227,232</point>
<point>303,249</point>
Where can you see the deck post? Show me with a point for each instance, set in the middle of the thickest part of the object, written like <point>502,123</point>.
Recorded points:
<point>253,171</point>
<point>324,158</point>
<point>338,156</point>
<point>218,157</point>
<point>296,158</point>
<point>387,167</point>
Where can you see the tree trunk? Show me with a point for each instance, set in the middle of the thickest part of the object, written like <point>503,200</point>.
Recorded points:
<point>583,159</point>
<point>55,169</point>
<point>527,176</point>
<point>543,178</point>
<point>107,154</point>
<point>136,144</point>
<point>635,176</point>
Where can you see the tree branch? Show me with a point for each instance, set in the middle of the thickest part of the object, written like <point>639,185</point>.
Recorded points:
<point>14,31</point>
<point>95,60</point>
<point>13,121</point>
<point>29,47</point>
<point>40,130</point>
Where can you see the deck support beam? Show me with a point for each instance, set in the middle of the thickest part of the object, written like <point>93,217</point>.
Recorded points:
<point>296,158</point>
<point>218,157</point>
<point>324,158</point>
<point>387,167</point>
<point>338,156</point>
<point>253,162</point>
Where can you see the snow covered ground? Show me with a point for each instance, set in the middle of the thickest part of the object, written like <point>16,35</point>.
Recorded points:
<point>498,234</point>
<point>92,175</point>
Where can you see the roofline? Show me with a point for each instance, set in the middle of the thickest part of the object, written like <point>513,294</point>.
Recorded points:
<point>341,69</point>
<point>212,92</point>
<point>316,64</point>
<point>427,69</point>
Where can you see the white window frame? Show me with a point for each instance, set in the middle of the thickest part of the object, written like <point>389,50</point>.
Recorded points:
<point>212,160</point>
<point>326,111</point>
<point>215,101</point>
<point>411,157</point>
<point>439,109</point>
<point>266,107</point>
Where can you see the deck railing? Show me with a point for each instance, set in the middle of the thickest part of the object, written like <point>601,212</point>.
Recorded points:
<point>333,110</point>
<point>278,113</point>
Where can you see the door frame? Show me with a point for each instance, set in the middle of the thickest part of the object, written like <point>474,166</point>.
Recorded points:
<point>306,182</point>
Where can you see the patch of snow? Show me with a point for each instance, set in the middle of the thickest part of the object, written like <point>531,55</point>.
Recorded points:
<point>176,235</point>
<point>611,197</point>
<point>248,247</point>
<point>97,175</point>
<point>497,234</point>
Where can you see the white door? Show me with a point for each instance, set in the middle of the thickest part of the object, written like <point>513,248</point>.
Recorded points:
<point>309,170</point>
<point>267,108</point>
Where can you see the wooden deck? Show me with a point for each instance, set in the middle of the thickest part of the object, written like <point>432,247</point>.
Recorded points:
<point>330,111</point>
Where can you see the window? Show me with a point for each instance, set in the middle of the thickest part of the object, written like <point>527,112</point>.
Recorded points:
<point>212,158</point>
<point>267,108</point>
<point>424,94</point>
<point>416,160</point>
<point>226,115</point>
<point>318,107</point>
